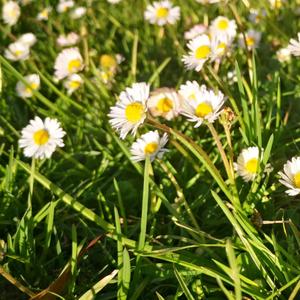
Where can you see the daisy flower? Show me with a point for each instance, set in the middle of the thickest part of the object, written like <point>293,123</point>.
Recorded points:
<point>70,39</point>
<point>204,106</point>
<point>149,144</point>
<point>200,52</point>
<point>11,13</point>
<point>17,51</point>
<point>64,5</point>
<point>164,102</point>
<point>189,90</point>
<point>162,13</point>
<point>130,111</point>
<point>248,162</point>
<point>110,62</point>
<point>222,26</point>
<point>290,177</point>
<point>28,39</point>
<point>195,31</point>
<point>78,12</point>
<point>40,138</point>
<point>283,55</point>
<point>220,44</point>
<point>73,83</point>
<point>253,38</point>
<point>68,61</point>
<point>44,14</point>
<point>26,90</point>
<point>276,3</point>
<point>294,46</point>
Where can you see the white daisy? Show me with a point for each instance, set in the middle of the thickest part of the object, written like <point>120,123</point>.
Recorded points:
<point>283,55</point>
<point>11,12</point>
<point>276,3</point>
<point>222,26</point>
<point>248,162</point>
<point>44,14</point>
<point>73,83</point>
<point>204,106</point>
<point>164,102</point>
<point>200,52</point>
<point>64,5</point>
<point>68,61</point>
<point>290,177</point>
<point>40,138</point>
<point>190,89</point>
<point>195,31</point>
<point>17,51</point>
<point>110,61</point>
<point>149,144</point>
<point>26,90</point>
<point>130,111</point>
<point>78,12</point>
<point>294,46</point>
<point>253,38</point>
<point>70,39</point>
<point>28,39</point>
<point>162,13</point>
<point>220,45</point>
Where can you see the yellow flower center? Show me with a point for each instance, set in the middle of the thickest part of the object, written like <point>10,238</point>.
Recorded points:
<point>162,12</point>
<point>250,41</point>
<point>44,13</point>
<point>164,105</point>
<point>223,24</point>
<point>41,137</point>
<point>277,3</point>
<point>74,84</point>
<point>203,109</point>
<point>74,65</point>
<point>202,52</point>
<point>251,165</point>
<point>108,61</point>
<point>31,87</point>
<point>150,148</point>
<point>12,13</point>
<point>134,112</point>
<point>18,53</point>
<point>297,180</point>
<point>192,96</point>
<point>221,47</point>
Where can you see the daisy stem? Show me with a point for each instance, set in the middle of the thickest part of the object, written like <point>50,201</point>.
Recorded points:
<point>145,204</point>
<point>216,137</point>
<point>197,151</point>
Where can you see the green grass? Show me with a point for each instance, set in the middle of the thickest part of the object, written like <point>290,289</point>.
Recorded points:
<point>181,228</point>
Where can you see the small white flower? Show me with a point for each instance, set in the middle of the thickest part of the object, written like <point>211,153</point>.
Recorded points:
<point>205,105</point>
<point>283,55</point>
<point>162,13</point>
<point>232,77</point>
<point>195,31</point>
<point>26,90</point>
<point>68,61</point>
<point>190,89</point>
<point>44,14</point>
<point>253,38</point>
<point>110,61</point>
<point>11,13</point>
<point>294,46</point>
<point>70,39</point>
<point>248,162</point>
<point>73,83</point>
<point>40,138</point>
<point>17,51</point>
<point>220,45</point>
<point>222,26</point>
<point>164,102</point>
<point>78,12</point>
<point>64,5</point>
<point>130,111</point>
<point>290,177</point>
<point>28,39</point>
<point>200,52</point>
<point>149,144</point>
